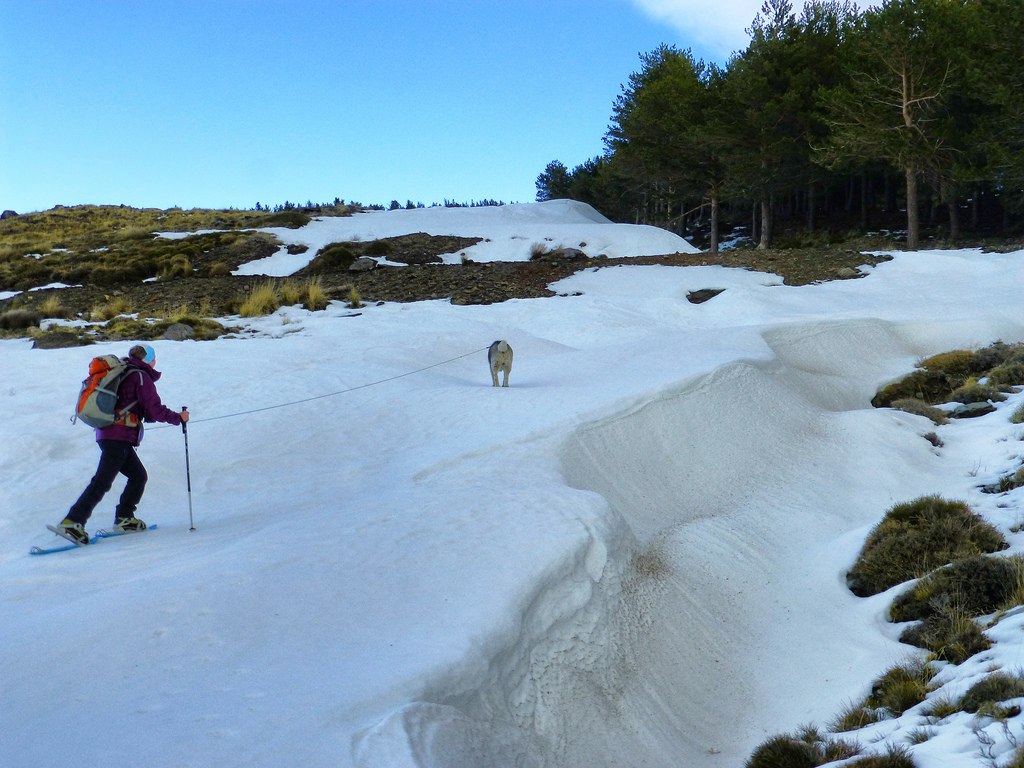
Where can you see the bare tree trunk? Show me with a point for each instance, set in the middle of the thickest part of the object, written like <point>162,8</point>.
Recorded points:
<point>811,219</point>
<point>714,223</point>
<point>864,200</point>
<point>913,222</point>
<point>948,193</point>
<point>766,223</point>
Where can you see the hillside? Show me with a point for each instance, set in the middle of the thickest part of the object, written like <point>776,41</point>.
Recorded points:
<point>117,253</point>
<point>633,555</point>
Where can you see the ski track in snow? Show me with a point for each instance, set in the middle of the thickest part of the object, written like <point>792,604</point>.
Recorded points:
<point>632,556</point>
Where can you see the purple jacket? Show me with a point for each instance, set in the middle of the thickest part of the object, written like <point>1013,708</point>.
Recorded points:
<point>138,387</point>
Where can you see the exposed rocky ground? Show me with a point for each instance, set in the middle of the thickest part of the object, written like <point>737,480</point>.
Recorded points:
<point>424,278</point>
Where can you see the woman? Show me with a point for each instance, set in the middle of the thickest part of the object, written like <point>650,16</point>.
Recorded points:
<point>137,401</point>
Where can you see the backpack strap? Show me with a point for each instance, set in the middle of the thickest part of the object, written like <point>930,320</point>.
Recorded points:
<point>125,417</point>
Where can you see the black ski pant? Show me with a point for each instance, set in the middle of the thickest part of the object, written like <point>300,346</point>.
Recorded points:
<point>116,457</point>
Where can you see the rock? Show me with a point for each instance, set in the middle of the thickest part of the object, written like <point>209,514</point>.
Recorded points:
<point>972,410</point>
<point>178,332</point>
<point>569,253</point>
<point>8,214</point>
<point>847,273</point>
<point>362,264</point>
<point>704,294</point>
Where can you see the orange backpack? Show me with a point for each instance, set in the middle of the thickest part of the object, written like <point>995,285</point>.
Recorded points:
<point>97,402</point>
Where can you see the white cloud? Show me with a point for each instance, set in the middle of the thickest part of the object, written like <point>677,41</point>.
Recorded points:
<point>712,28</point>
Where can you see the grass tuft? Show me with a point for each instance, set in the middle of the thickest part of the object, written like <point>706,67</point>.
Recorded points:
<point>262,300</point>
<point>807,748</point>
<point>916,537</point>
<point>984,696</point>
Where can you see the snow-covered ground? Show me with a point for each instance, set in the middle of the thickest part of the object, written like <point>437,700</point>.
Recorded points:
<point>508,233</point>
<point>634,555</point>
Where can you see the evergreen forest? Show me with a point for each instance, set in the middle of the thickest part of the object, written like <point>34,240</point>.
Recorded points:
<point>905,117</point>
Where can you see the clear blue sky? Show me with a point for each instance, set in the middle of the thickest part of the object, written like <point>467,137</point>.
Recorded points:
<point>226,103</point>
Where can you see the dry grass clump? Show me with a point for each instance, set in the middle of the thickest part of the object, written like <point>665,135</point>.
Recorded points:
<point>51,306</point>
<point>807,748</point>
<point>262,300</point>
<point>974,586</point>
<point>1007,482</point>
<point>1007,375</point>
<point>316,297</point>
<point>900,688</point>
<point>986,696</point>
<point>355,301</point>
<point>920,408</point>
<point>895,756</point>
<point>177,265</point>
<point>951,635</point>
<point>974,392</point>
<point>855,716</point>
<point>958,362</point>
<point>940,376</point>
<point>941,707</point>
<point>114,307</point>
<point>916,537</point>
<point>268,297</point>
<point>290,292</point>
<point>540,250</point>
<point>1017,417</point>
<point>19,319</point>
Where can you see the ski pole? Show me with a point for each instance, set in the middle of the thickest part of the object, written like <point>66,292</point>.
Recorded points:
<point>188,472</point>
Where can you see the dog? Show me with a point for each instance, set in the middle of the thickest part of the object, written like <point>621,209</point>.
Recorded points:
<point>499,356</point>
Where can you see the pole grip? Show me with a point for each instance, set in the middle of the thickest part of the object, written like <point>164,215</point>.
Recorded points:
<point>184,424</point>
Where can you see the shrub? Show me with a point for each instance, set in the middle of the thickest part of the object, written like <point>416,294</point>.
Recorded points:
<point>920,408</point>
<point>975,586</point>
<point>125,328</point>
<point>895,756</point>
<point>262,300</point>
<point>218,269</point>
<point>991,690</point>
<point>951,635</point>
<point>19,319</point>
<point>900,688</point>
<point>293,219</point>
<point>957,363</point>
<point>806,749</point>
<point>1007,375</point>
<point>995,355</point>
<point>916,537</point>
<point>1017,417</point>
<point>355,301</point>
<point>334,256</point>
<point>973,392</point>
<point>377,248</point>
<point>930,386</point>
